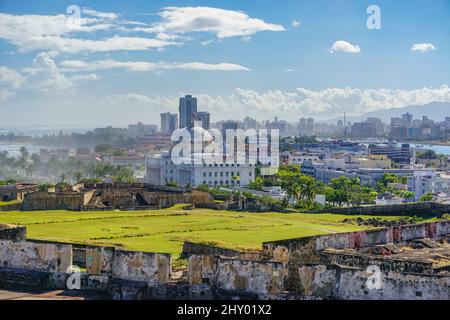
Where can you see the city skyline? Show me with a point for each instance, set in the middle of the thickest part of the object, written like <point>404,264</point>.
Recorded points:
<point>122,64</point>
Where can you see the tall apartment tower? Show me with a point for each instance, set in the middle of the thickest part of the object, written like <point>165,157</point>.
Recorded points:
<point>169,122</point>
<point>205,119</point>
<point>188,111</point>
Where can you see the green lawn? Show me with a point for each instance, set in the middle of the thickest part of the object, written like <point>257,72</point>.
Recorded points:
<point>4,203</point>
<point>166,230</point>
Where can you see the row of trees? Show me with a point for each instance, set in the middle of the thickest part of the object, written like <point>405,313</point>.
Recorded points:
<point>301,190</point>
<point>31,167</point>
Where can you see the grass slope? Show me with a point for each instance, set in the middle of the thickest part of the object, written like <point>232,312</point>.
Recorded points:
<point>166,230</point>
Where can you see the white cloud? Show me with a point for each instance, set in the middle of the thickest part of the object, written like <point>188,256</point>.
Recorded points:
<point>136,66</point>
<point>223,23</point>
<point>101,15</point>
<point>10,82</point>
<point>61,33</point>
<point>46,75</point>
<point>322,104</point>
<point>52,33</point>
<point>423,47</point>
<point>344,46</point>
<point>295,24</point>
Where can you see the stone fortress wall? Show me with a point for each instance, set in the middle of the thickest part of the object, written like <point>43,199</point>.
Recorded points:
<point>332,266</point>
<point>104,196</point>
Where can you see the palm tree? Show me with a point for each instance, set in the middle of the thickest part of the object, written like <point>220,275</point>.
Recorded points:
<point>308,189</point>
<point>292,192</point>
<point>77,175</point>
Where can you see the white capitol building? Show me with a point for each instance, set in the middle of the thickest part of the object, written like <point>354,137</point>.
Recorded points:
<point>195,171</point>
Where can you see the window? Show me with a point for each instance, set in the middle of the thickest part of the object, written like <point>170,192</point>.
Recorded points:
<point>250,174</point>
<point>204,174</point>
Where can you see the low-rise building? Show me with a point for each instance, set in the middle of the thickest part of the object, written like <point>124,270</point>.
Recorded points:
<point>404,154</point>
<point>160,170</point>
<point>298,158</point>
<point>428,181</point>
<point>387,199</point>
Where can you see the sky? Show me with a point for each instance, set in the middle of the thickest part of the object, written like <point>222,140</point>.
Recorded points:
<point>93,63</point>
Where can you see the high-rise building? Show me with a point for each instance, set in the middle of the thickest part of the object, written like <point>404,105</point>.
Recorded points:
<point>306,127</point>
<point>188,111</point>
<point>407,119</point>
<point>169,122</point>
<point>363,130</point>
<point>204,117</point>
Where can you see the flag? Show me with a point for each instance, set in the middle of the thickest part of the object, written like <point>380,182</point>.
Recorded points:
<point>98,157</point>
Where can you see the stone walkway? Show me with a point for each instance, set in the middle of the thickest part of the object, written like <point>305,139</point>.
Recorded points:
<point>52,295</point>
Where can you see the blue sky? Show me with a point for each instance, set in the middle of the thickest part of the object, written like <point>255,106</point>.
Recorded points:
<point>129,61</point>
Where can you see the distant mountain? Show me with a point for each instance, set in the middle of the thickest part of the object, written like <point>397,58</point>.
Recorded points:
<point>435,110</point>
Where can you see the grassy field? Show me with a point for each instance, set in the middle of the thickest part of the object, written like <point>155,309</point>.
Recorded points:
<point>166,230</point>
<point>3,203</point>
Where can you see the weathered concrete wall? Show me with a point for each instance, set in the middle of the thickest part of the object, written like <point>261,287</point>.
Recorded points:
<point>258,277</point>
<point>11,207</point>
<point>306,249</point>
<point>293,252</point>
<point>132,290</point>
<point>35,256</point>
<point>192,248</point>
<point>334,282</point>
<point>12,232</point>
<point>385,263</point>
<point>166,200</point>
<point>56,201</point>
<point>201,269</point>
<point>236,275</point>
<point>99,260</point>
<point>408,209</point>
<point>141,266</point>
<point>395,286</point>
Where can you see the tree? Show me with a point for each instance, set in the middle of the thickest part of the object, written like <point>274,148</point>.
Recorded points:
<point>426,197</point>
<point>172,184</point>
<point>292,191</point>
<point>308,188</point>
<point>427,154</point>
<point>24,153</point>
<point>257,184</point>
<point>338,197</point>
<point>77,176</point>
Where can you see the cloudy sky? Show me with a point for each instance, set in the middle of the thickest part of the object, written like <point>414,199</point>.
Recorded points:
<point>115,62</point>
